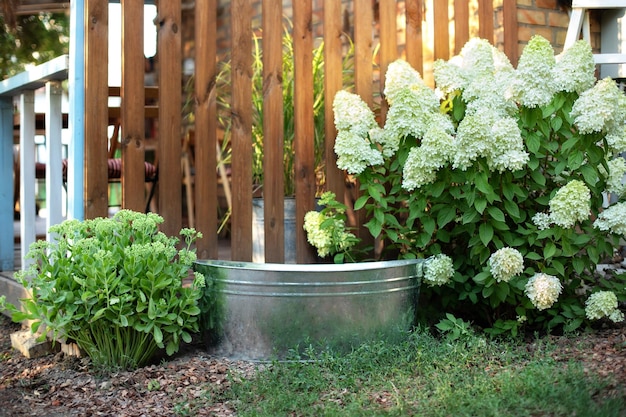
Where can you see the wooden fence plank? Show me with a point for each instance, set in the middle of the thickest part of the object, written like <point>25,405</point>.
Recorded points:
<point>442,29</point>
<point>133,97</point>
<point>363,75</point>
<point>241,236</point>
<point>96,117</point>
<point>461,24</point>
<point>205,190</point>
<point>169,130</point>
<point>273,134</point>
<point>509,14</point>
<point>388,45</point>
<point>414,39</point>
<point>485,20</point>
<point>304,146</point>
<point>333,82</point>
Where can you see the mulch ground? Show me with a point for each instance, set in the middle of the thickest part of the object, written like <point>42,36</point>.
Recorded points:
<point>191,383</point>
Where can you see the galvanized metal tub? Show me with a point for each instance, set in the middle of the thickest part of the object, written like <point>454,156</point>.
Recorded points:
<point>258,311</point>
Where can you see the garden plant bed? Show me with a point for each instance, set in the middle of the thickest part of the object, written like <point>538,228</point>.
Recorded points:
<point>193,383</point>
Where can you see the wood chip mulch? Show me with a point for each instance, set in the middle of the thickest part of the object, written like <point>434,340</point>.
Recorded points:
<point>192,383</point>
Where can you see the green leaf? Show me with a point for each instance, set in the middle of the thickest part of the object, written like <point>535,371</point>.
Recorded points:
<point>446,215</point>
<point>158,335</point>
<point>480,204</point>
<point>512,208</point>
<point>538,177</point>
<point>360,202</point>
<point>482,183</point>
<point>575,160</point>
<point>485,231</point>
<point>496,213</point>
<point>429,225</point>
<point>549,250</point>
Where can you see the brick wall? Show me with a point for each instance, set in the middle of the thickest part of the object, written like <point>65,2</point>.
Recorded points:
<point>548,19</point>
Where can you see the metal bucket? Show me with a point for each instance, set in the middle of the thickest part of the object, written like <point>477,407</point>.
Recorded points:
<point>255,311</point>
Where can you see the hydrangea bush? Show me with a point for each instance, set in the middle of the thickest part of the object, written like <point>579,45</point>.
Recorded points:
<point>504,171</point>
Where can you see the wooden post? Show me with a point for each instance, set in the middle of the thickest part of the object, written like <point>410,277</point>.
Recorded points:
<point>485,19</point>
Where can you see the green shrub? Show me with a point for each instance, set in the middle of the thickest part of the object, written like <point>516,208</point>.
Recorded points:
<point>115,287</point>
<point>504,170</point>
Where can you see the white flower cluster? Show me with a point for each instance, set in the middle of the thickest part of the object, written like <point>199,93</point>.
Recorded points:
<point>615,182</point>
<point>570,204</point>
<point>438,270</point>
<point>505,263</point>
<point>603,304</point>
<point>543,290</point>
<point>613,219</point>
<point>535,86</point>
<point>327,238</point>
<point>354,121</point>
<point>602,108</point>
<point>575,68</point>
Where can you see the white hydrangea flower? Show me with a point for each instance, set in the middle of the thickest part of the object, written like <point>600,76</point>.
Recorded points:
<point>473,137</point>
<point>318,237</point>
<point>449,76</point>
<point>534,86</point>
<point>507,150</point>
<point>438,270</point>
<point>352,113</point>
<point>543,290</point>
<point>600,109</point>
<point>570,204</point>
<point>355,153</point>
<point>437,148</point>
<point>412,111</point>
<point>615,181</point>
<point>616,139</point>
<point>612,219</point>
<point>542,221</point>
<point>505,263</point>
<point>400,76</point>
<point>575,68</point>
<point>603,304</point>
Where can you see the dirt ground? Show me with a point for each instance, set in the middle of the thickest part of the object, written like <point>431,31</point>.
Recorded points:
<point>57,385</point>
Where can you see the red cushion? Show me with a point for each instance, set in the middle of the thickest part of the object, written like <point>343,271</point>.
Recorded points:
<point>114,167</point>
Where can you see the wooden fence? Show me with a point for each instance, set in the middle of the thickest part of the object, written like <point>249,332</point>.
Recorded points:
<point>451,22</point>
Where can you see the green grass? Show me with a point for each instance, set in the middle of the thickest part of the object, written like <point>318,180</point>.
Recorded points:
<point>427,376</point>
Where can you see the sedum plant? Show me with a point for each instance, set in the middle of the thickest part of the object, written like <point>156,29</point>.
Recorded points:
<point>115,287</point>
<point>513,173</point>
